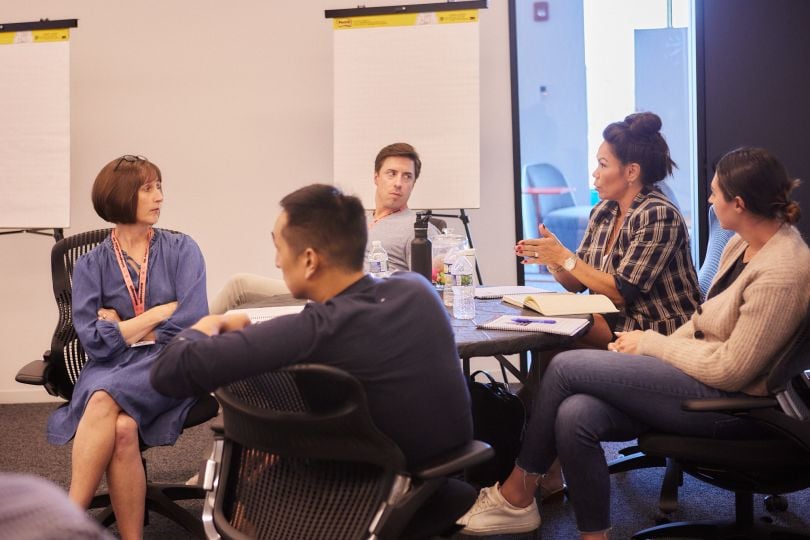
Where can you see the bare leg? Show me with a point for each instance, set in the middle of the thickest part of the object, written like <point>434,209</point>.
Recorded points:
<point>127,479</point>
<point>92,447</point>
<point>519,490</point>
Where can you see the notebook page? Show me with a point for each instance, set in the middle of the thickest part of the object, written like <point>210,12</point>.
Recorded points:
<point>262,314</point>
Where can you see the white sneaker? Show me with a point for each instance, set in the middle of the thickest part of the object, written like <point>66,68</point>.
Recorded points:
<point>492,514</point>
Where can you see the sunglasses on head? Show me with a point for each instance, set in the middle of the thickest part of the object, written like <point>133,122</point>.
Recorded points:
<point>130,159</point>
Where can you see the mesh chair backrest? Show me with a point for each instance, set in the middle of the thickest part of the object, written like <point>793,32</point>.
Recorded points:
<point>543,175</point>
<point>302,458</point>
<point>308,410</point>
<point>67,357</point>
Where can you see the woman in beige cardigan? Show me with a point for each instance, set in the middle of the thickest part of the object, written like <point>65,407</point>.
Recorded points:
<point>757,301</point>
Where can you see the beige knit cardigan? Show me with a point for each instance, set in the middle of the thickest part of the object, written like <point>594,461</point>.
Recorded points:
<point>734,338</point>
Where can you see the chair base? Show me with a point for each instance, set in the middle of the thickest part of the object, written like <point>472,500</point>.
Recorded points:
<point>744,527</point>
<point>720,530</point>
<point>633,461</point>
<point>160,498</point>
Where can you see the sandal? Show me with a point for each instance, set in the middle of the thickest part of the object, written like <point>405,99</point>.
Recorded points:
<point>553,495</point>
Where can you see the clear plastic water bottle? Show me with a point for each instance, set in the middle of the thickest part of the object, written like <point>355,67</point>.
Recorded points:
<point>463,287</point>
<point>447,273</point>
<point>377,259</point>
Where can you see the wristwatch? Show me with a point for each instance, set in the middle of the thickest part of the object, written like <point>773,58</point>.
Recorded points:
<point>570,262</point>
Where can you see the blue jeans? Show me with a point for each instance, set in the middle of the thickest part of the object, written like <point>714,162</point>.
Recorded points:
<point>588,396</point>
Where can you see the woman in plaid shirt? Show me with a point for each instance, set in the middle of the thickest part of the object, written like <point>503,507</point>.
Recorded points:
<point>636,248</point>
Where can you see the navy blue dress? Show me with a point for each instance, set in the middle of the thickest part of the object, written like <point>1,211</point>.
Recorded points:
<point>176,272</point>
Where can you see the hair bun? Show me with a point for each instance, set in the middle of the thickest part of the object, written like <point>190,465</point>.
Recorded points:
<point>644,123</point>
<point>792,212</point>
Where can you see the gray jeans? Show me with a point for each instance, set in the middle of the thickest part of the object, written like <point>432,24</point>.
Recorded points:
<point>588,396</point>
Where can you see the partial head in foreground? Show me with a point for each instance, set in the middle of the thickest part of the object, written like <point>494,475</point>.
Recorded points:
<point>320,226</point>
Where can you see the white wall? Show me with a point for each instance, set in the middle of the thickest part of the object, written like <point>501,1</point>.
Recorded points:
<point>234,102</point>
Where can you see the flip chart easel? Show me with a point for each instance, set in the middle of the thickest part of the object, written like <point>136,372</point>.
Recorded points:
<point>35,120</point>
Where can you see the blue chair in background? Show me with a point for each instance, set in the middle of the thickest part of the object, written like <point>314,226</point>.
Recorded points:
<point>551,202</point>
<point>718,237</point>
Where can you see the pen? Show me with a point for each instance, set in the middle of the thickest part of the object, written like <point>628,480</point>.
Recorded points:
<point>528,321</point>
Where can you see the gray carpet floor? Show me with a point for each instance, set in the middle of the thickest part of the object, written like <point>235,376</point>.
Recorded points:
<point>23,448</point>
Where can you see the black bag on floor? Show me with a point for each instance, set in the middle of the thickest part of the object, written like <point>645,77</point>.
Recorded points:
<point>498,419</point>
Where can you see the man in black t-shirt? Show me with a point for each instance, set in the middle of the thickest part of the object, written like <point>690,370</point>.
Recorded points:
<point>393,334</point>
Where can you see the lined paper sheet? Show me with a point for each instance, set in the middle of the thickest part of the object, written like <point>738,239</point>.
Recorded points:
<point>261,314</point>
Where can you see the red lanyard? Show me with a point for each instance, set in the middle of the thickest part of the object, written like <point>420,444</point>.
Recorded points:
<point>138,298</point>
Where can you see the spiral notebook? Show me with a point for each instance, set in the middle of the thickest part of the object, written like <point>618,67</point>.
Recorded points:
<point>549,325</point>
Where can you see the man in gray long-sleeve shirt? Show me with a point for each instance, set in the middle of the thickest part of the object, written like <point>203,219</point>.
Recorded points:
<point>393,334</point>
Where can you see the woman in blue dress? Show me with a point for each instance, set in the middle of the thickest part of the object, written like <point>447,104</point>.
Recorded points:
<point>131,295</point>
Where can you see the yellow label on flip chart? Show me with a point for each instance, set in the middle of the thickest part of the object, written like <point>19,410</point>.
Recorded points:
<point>461,16</point>
<point>35,36</point>
<point>405,19</point>
<point>43,36</point>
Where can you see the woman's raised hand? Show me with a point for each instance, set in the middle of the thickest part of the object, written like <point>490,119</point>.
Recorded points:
<point>544,250</point>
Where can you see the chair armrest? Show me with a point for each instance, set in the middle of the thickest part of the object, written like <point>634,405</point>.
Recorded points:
<point>32,373</point>
<point>218,425</point>
<point>472,453</point>
<point>729,405</point>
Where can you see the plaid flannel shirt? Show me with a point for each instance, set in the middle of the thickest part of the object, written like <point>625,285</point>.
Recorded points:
<point>650,262</point>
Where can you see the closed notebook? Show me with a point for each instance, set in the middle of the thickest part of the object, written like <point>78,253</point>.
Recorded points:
<point>500,292</point>
<point>562,303</point>
<point>548,325</point>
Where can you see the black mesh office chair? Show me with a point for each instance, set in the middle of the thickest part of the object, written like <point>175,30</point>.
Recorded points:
<point>60,367</point>
<point>298,456</point>
<point>776,465</point>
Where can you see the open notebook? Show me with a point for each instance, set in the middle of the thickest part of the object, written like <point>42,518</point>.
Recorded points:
<point>562,303</point>
<point>262,314</point>
<point>549,325</point>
